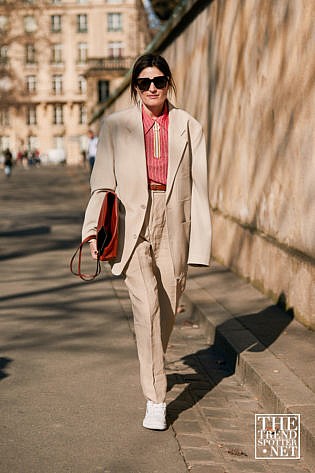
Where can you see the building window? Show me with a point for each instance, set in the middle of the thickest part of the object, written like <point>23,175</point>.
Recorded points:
<point>4,117</point>
<point>3,23</point>
<point>57,84</point>
<point>3,54</point>
<point>114,22</point>
<point>103,90</point>
<point>84,141</point>
<point>58,114</point>
<point>82,84</point>
<point>115,1</point>
<point>30,25</point>
<point>31,84</point>
<point>59,142</point>
<point>82,23</point>
<point>55,2</point>
<point>82,1</point>
<point>4,142</point>
<point>55,23</point>
<point>32,142</point>
<point>82,114</point>
<point>82,53</point>
<point>30,54</point>
<point>115,49</point>
<point>31,118</point>
<point>56,54</point>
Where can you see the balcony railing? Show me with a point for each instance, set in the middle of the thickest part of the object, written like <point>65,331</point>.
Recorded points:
<point>111,63</point>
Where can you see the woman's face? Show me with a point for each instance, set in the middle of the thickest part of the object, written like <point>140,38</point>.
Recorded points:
<point>152,98</point>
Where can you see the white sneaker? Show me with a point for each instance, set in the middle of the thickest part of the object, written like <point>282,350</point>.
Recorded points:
<point>155,416</point>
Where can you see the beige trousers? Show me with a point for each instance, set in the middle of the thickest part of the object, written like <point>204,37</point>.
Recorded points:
<point>154,294</point>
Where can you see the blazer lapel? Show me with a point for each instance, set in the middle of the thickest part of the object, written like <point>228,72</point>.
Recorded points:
<point>177,140</point>
<point>137,148</point>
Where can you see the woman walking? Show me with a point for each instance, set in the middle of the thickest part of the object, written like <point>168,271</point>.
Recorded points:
<point>153,156</point>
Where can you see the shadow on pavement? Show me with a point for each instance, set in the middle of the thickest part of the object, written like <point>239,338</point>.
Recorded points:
<point>4,362</point>
<point>31,231</point>
<point>211,365</point>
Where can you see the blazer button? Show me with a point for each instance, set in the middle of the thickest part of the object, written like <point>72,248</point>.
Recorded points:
<point>134,236</point>
<point>143,206</point>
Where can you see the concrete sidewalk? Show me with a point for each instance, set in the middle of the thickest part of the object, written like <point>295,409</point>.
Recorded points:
<point>70,395</point>
<point>265,347</point>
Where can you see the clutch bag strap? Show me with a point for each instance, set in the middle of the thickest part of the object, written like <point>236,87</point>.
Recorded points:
<point>77,271</point>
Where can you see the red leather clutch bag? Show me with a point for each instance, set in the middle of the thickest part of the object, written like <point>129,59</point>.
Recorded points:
<point>106,237</point>
<point>107,228</point>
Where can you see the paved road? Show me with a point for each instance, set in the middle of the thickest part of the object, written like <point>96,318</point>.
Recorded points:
<point>70,398</point>
<point>70,395</point>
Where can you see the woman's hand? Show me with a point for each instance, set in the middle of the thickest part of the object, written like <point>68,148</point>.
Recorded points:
<point>93,248</point>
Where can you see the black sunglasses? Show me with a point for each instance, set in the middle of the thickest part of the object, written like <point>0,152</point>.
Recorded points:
<point>144,82</point>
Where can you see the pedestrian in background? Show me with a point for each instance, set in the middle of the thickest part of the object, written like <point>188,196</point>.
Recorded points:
<point>154,156</point>
<point>92,147</point>
<point>8,162</point>
<point>83,158</point>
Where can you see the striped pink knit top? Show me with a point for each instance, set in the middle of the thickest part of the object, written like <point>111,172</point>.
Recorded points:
<point>156,145</point>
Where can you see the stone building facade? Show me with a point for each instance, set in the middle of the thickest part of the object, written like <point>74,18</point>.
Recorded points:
<point>245,69</point>
<point>60,59</point>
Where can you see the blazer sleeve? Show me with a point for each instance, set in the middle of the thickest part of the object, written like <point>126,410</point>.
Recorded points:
<point>200,230</point>
<point>102,179</point>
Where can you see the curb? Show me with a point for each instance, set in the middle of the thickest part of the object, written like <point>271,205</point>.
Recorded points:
<point>275,385</point>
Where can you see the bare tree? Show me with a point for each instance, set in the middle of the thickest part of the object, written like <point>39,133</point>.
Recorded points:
<point>164,8</point>
<point>20,39</point>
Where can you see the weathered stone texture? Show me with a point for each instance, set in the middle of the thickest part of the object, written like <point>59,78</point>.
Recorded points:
<point>246,70</point>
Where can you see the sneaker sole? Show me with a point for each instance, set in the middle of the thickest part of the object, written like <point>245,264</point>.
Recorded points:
<point>154,426</point>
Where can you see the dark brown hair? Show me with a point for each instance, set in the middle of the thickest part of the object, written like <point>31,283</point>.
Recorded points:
<point>150,60</point>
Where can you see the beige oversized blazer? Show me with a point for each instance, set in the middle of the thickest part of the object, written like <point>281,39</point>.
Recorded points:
<point>120,165</point>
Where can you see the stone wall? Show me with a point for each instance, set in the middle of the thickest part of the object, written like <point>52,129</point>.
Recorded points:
<point>246,69</point>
